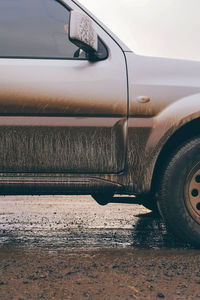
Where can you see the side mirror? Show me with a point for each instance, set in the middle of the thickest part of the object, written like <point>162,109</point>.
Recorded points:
<point>82,32</point>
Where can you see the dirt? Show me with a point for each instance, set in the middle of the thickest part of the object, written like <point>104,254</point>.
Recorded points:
<point>99,274</point>
<point>72,248</point>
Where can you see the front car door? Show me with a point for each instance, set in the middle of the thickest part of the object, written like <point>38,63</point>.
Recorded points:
<point>58,113</point>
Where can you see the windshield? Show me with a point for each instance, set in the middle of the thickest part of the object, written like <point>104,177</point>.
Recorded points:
<point>167,28</point>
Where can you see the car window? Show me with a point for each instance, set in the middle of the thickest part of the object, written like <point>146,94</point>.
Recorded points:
<point>36,29</point>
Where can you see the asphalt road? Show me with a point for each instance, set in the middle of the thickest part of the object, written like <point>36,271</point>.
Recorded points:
<point>69,247</point>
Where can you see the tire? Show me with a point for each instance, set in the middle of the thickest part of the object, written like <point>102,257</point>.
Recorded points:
<point>179,193</point>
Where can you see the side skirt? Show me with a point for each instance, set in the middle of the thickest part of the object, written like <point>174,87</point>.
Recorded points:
<point>54,184</point>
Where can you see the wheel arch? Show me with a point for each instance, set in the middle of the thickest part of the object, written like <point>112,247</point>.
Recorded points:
<point>180,136</point>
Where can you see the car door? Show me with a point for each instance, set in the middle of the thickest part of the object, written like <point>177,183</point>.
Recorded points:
<point>58,112</point>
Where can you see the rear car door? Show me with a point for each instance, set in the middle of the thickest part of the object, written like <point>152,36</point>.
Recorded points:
<point>58,112</point>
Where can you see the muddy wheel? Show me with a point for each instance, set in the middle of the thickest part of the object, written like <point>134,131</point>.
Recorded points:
<point>179,195</point>
<point>102,198</point>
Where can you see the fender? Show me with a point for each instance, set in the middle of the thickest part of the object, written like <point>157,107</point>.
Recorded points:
<point>173,118</point>
<point>173,88</point>
<point>148,136</point>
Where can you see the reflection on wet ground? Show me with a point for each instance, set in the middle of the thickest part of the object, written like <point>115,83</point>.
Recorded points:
<point>61,222</point>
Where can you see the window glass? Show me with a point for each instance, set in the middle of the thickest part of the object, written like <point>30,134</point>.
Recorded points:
<point>35,28</point>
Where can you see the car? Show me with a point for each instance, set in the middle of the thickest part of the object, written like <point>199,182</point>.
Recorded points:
<point>80,113</point>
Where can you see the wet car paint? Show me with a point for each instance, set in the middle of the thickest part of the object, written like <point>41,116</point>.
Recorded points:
<point>164,81</point>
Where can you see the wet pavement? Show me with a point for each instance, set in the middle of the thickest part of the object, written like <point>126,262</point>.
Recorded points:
<point>60,222</point>
<point>69,247</point>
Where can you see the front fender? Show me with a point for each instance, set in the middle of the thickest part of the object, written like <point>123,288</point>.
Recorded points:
<point>172,119</point>
<point>148,136</point>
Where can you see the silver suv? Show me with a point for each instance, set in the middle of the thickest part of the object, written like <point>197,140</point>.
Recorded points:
<point>80,113</point>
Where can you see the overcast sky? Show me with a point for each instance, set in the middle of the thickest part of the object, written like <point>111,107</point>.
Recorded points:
<point>168,28</point>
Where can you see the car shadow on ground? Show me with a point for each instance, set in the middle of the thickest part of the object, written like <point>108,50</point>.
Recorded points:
<point>150,232</point>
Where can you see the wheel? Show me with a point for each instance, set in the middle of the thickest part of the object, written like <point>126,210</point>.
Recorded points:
<point>179,193</point>
<point>102,198</point>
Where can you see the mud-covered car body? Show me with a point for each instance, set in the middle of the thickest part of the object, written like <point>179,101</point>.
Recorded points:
<point>72,124</point>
